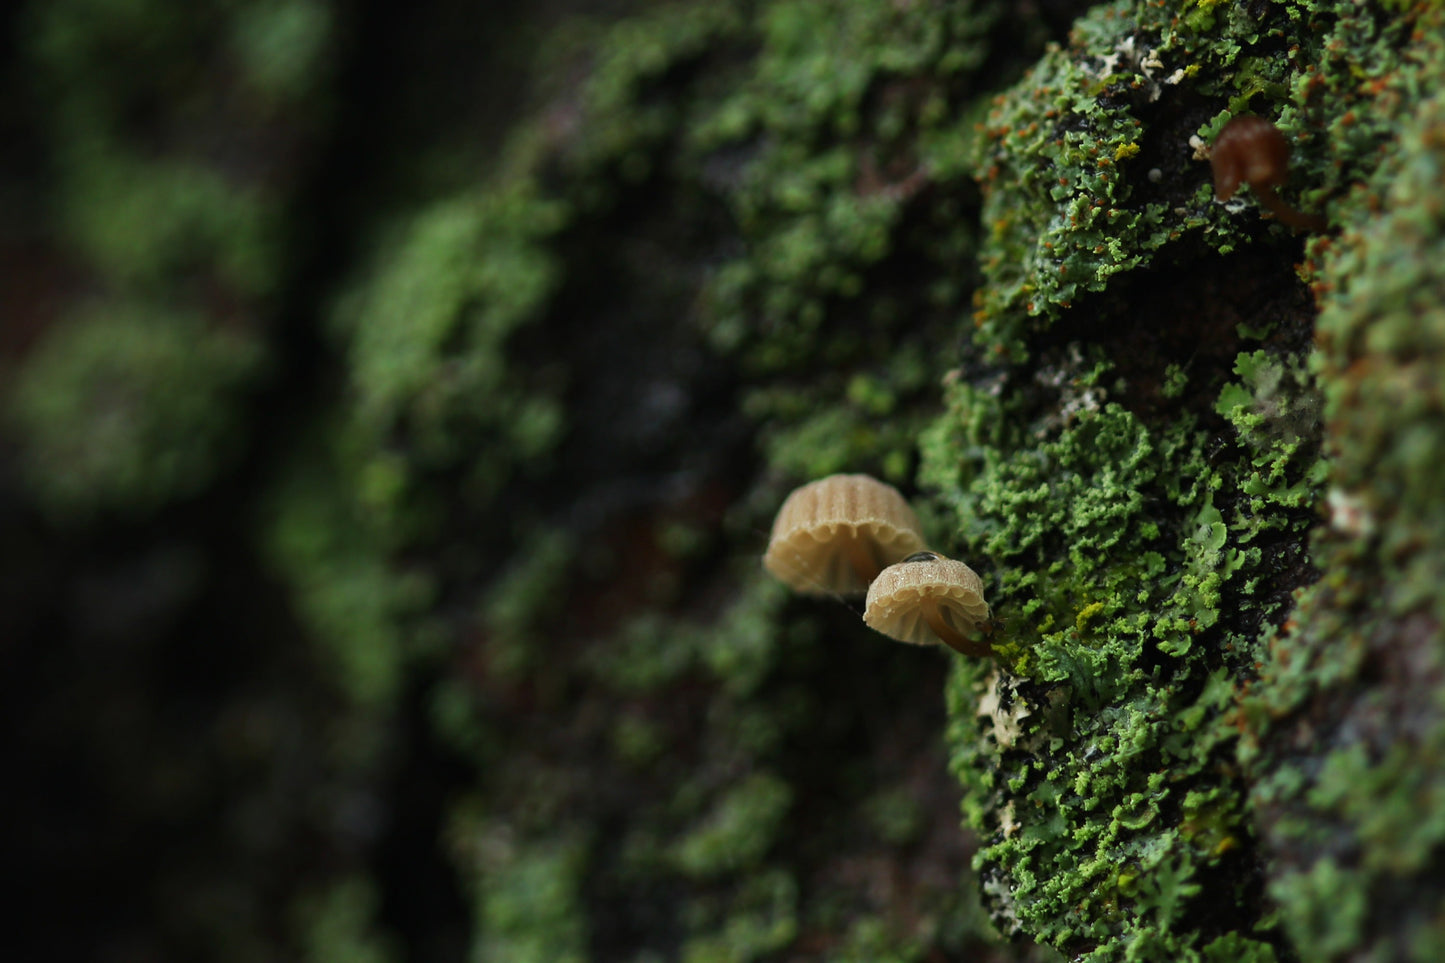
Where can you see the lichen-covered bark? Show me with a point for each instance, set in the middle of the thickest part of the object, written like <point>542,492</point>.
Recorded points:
<point>506,444</point>
<point>1146,549</point>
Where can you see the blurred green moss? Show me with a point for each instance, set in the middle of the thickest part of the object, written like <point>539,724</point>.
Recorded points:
<point>337,925</point>
<point>126,406</point>
<point>828,211</point>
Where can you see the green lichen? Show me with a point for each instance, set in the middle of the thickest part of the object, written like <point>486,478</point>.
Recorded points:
<point>1090,776</point>
<point>1135,560</point>
<point>1344,727</point>
<point>1090,167</point>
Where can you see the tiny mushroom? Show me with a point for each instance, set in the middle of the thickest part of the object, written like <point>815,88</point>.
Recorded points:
<point>836,534</point>
<point>927,598</point>
<point>1250,150</point>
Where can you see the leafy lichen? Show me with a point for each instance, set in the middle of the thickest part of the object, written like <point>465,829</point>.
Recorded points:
<point>1136,559</point>
<point>1344,725</point>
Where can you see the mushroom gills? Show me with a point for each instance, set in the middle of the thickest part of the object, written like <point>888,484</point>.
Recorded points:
<point>833,536</point>
<point>928,598</point>
<point>940,620</point>
<point>862,558</point>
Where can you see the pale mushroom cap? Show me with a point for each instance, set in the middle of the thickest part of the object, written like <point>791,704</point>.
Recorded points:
<point>898,596</point>
<point>823,526</point>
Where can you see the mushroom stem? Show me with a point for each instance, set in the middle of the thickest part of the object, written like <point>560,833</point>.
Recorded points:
<point>861,557</point>
<point>1285,214</point>
<point>950,636</point>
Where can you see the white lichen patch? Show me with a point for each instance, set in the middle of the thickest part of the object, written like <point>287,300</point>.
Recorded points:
<point>1076,394</point>
<point>1349,514</point>
<point>1007,824</point>
<point>1144,60</point>
<point>1003,710</point>
<point>1000,900</point>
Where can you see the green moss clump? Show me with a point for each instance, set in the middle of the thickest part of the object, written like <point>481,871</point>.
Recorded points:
<point>1140,544</point>
<point>739,829</point>
<point>127,406</point>
<point>760,920</point>
<point>354,602</point>
<point>427,331</point>
<point>1345,728</point>
<point>528,895</point>
<point>1099,772</point>
<point>337,927</point>
<point>166,200</point>
<point>170,168</point>
<point>143,224</point>
<point>281,44</point>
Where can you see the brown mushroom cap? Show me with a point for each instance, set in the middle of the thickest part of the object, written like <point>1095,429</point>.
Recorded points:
<point>928,599</point>
<point>1249,150</point>
<point>837,533</point>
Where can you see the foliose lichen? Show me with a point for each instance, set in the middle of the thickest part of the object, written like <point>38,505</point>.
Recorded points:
<point>1343,728</point>
<point>1148,523</point>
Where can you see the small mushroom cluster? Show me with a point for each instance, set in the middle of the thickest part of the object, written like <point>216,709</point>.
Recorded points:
<point>846,534</point>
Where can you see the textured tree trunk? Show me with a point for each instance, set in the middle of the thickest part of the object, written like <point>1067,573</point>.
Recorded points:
<point>396,406</point>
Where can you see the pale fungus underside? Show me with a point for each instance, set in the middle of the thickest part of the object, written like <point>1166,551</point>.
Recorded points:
<point>926,599</point>
<point>847,533</point>
<point>834,535</point>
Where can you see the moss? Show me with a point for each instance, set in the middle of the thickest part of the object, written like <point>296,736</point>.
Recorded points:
<point>895,815</point>
<point>142,224</point>
<point>738,830</point>
<point>138,121</point>
<point>353,601</point>
<point>128,405</point>
<point>1344,724</point>
<point>426,331</point>
<point>799,200</point>
<point>165,197</point>
<point>760,920</point>
<point>337,925</point>
<point>528,895</point>
<point>281,44</point>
